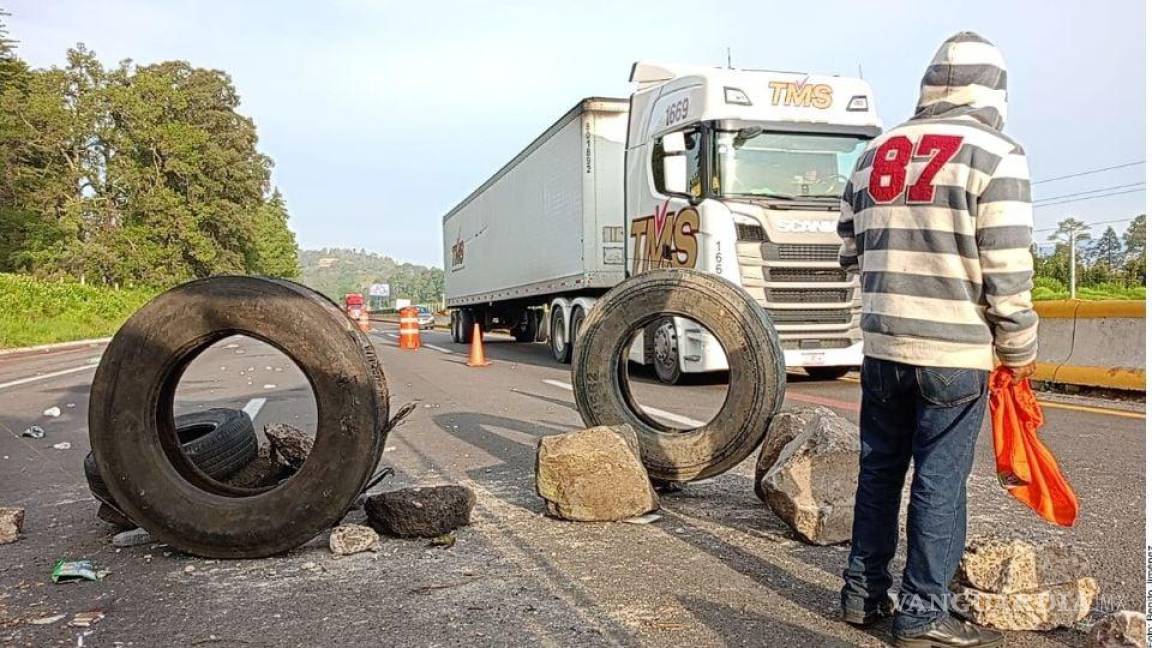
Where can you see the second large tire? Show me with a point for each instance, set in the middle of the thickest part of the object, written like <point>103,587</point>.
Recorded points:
<point>756,370</point>
<point>135,442</point>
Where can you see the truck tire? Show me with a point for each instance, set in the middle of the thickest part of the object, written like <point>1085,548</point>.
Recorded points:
<point>465,320</point>
<point>827,373</point>
<point>665,351</point>
<point>454,328</point>
<point>526,332</point>
<point>558,337</point>
<point>138,452</point>
<point>756,370</point>
<point>219,441</point>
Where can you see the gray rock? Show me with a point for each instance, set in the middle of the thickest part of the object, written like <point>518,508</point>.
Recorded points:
<point>11,523</point>
<point>594,475</point>
<point>264,470</point>
<point>133,538</point>
<point>1055,606</point>
<point>292,444</point>
<point>1009,565</point>
<point>808,470</point>
<point>1125,629</point>
<point>425,512</point>
<point>348,539</point>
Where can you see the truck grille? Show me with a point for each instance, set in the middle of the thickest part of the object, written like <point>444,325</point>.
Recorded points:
<point>810,316</point>
<point>805,296</point>
<point>815,344</point>
<point>799,252</point>
<point>805,275</point>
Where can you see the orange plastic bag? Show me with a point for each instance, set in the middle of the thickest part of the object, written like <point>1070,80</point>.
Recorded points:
<point>1025,467</point>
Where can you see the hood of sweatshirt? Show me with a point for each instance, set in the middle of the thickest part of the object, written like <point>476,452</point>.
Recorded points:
<point>967,78</point>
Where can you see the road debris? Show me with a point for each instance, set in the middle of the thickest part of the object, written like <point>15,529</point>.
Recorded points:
<point>132,538</point>
<point>292,444</point>
<point>63,445</point>
<point>643,519</point>
<point>49,620</point>
<point>348,539</point>
<point>1124,629</point>
<point>423,512</point>
<point>52,412</point>
<point>446,541</point>
<point>807,471</point>
<point>1010,565</point>
<point>1012,584</point>
<point>190,569</point>
<point>266,469</point>
<point>11,523</point>
<point>594,475</point>
<point>65,571</point>
<point>34,432</point>
<point>86,619</point>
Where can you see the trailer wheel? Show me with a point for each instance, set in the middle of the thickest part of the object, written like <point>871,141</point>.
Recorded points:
<point>454,328</point>
<point>558,337</point>
<point>755,361</point>
<point>527,331</point>
<point>134,439</point>
<point>464,321</point>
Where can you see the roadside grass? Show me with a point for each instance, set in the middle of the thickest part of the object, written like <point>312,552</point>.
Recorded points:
<point>35,311</point>
<point>1049,289</point>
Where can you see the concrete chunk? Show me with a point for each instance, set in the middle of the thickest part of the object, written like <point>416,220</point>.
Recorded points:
<point>1056,606</point>
<point>807,473</point>
<point>425,512</point>
<point>1125,629</point>
<point>594,475</point>
<point>348,539</point>
<point>1008,565</point>
<point>11,523</point>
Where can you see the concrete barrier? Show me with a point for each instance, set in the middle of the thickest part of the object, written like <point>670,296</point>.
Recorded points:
<point>1092,343</point>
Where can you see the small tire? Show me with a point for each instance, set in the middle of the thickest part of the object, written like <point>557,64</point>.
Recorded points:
<point>220,441</point>
<point>527,332</point>
<point>134,439</point>
<point>827,373</point>
<point>558,340</point>
<point>756,370</point>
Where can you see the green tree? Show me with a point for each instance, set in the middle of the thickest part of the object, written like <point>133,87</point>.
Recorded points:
<point>1108,251</point>
<point>274,245</point>
<point>1134,238</point>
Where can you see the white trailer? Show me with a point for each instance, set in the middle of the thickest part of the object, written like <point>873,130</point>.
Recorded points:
<point>733,172</point>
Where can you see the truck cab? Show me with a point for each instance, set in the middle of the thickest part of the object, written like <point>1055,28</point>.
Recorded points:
<point>740,173</point>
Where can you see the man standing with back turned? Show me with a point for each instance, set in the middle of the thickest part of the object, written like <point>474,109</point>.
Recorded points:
<point>937,219</point>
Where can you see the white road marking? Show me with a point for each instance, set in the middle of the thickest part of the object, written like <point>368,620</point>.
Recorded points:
<point>393,336</point>
<point>659,413</point>
<point>440,349</point>
<point>63,372</point>
<point>253,407</point>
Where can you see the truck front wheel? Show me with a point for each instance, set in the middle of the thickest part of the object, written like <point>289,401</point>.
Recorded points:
<point>665,353</point>
<point>558,337</point>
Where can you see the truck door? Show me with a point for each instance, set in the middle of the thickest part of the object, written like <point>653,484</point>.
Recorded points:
<point>664,224</point>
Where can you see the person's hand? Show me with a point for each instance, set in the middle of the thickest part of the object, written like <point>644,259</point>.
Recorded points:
<point>1021,373</point>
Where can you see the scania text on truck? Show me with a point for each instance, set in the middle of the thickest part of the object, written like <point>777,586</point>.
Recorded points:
<point>733,172</point>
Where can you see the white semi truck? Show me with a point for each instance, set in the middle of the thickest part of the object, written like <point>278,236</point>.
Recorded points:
<point>733,172</point>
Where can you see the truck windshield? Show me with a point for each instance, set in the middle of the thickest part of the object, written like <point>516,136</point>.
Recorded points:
<point>785,166</point>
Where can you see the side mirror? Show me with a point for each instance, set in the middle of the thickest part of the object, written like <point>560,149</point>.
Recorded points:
<point>675,163</point>
<point>675,173</point>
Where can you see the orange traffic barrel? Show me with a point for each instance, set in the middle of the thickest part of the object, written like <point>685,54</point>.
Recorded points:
<point>365,325</point>
<point>409,328</point>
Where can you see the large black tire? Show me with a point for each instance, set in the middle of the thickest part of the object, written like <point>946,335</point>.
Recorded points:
<point>827,373</point>
<point>454,328</point>
<point>558,337</point>
<point>219,441</point>
<point>466,320</point>
<point>139,455</point>
<point>526,332</point>
<point>756,370</point>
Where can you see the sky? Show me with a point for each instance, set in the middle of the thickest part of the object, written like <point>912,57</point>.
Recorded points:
<point>381,115</point>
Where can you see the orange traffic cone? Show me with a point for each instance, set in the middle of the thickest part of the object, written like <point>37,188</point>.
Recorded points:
<point>365,325</point>
<point>409,329</point>
<point>476,357</point>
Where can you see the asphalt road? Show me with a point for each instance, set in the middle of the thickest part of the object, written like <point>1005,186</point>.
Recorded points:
<point>718,569</point>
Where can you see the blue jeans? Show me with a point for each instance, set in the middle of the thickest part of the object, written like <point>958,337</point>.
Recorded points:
<point>930,416</point>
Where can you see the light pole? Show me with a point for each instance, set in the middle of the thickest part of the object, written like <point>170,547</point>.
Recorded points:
<point>1073,238</point>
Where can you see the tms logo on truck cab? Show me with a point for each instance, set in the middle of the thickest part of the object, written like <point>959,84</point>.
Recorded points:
<point>665,240</point>
<point>800,94</point>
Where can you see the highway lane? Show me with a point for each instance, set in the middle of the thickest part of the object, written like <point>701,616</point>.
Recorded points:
<point>716,569</point>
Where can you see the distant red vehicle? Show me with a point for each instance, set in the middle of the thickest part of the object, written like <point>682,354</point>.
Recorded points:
<point>353,304</point>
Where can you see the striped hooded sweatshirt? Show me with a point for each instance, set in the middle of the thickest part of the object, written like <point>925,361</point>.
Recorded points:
<point>937,219</point>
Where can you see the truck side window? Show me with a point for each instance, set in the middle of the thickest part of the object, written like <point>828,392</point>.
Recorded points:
<point>692,152</point>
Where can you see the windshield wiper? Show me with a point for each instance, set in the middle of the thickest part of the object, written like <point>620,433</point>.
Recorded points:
<point>769,196</point>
